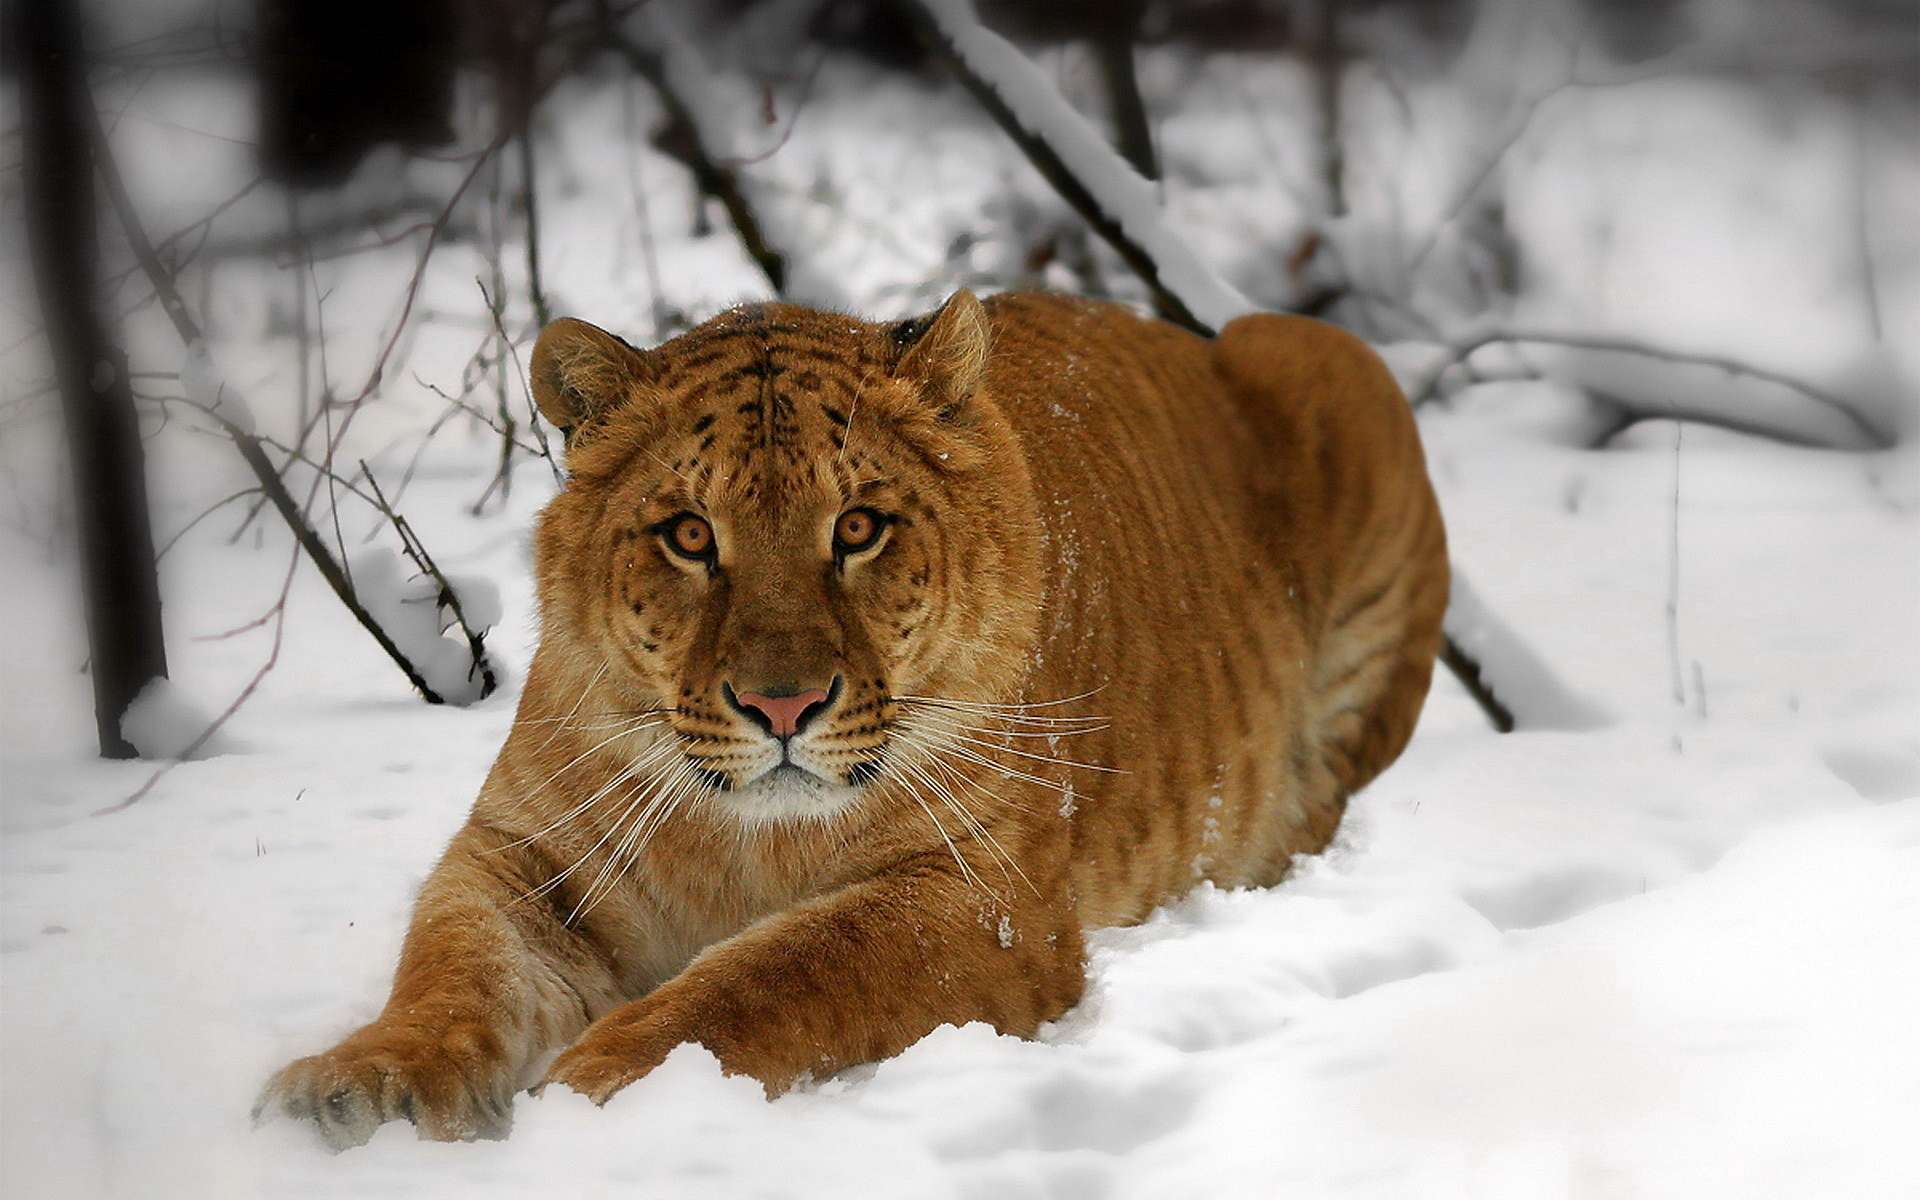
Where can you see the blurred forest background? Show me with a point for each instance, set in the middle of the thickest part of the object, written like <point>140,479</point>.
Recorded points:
<point>322,237</point>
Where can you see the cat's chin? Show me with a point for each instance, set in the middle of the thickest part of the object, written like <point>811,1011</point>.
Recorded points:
<point>787,793</point>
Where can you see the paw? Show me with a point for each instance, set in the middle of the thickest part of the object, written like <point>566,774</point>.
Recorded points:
<point>598,1065</point>
<point>623,1046</point>
<point>452,1085</point>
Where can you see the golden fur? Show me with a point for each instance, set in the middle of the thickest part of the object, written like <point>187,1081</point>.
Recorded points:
<point>1145,609</point>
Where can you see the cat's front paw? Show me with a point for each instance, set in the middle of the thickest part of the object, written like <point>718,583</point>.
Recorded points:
<point>452,1084</point>
<point>602,1062</point>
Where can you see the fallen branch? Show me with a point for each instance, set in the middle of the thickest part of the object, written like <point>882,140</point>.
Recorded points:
<point>1072,156</point>
<point>449,597</point>
<point>700,136</point>
<point>1624,409</point>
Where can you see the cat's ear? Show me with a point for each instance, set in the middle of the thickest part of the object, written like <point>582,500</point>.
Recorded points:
<point>946,351</point>
<point>581,373</point>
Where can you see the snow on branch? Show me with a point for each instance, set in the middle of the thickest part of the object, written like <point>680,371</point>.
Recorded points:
<point>1479,643</point>
<point>1120,205</point>
<point>1637,381</point>
<point>421,611</point>
<point>211,394</point>
<point>702,135</point>
<point>418,612</point>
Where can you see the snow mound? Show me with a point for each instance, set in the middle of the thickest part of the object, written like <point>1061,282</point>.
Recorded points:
<point>164,722</point>
<point>413,613</point>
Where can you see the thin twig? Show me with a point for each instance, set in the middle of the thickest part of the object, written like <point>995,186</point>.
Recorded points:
<point>533,411</point>
<point>248,444</point>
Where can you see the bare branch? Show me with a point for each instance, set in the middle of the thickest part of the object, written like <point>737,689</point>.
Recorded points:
<point>519,371</point>
<point>1146,245</point>
<point>1137,236</point>
<point>684,140</point>
<point>449,598</point>
<point>249,445</point>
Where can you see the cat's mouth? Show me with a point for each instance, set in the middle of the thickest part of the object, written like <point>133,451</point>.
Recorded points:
<point>790,773</point>
<point>788,791</point>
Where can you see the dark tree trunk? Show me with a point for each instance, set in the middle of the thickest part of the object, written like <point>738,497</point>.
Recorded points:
<point>1328,56</point>
<point>103,432</point>
<point>339,77</point>
<point>1113,42</point>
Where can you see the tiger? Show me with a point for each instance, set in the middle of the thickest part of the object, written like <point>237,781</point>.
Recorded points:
<point>878,664</point>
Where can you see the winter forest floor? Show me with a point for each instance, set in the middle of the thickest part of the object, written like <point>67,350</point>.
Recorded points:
<point>1676,954</point>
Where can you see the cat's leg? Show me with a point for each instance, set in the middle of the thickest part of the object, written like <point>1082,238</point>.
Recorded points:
<point>850,977</point>
<point>490,981</point>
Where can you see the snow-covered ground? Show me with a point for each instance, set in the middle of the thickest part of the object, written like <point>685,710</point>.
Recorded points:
<point>1674,955</point>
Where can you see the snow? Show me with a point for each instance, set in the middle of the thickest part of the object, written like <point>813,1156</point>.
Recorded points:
<point>163,722</point>
<point>1036,102</point>
<point>406,604</point>
<point>1508,668</point>
<point>1646,949</point>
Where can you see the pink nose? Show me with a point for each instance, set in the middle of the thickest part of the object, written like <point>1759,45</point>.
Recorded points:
<point>783,713</point>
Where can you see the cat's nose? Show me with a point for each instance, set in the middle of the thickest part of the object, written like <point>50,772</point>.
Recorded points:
<point>782,710</point>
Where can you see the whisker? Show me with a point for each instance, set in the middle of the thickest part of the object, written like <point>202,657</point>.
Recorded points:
<point>974,756</point>
<point>966,871</point>
<point>577,703</point>
<point>972,823</point>
<point>655,753</point>
<point>615,867</point>
<point>599,716</point>
<point>934,752</point>
<point>589,752</point>
<point>638,797</point>
<point>1045,758</point>
<point>989,705</point>
<point>1012,719</point>
<point>693,787</point>
<point>947,721</point>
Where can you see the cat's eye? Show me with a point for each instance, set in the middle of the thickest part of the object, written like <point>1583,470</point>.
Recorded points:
<point>689,536</point>
<point>856,530</point>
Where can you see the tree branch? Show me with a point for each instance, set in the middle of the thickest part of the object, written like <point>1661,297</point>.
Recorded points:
<point>683,140</point>
<point>1687,408</point>
<point>1084,169</point>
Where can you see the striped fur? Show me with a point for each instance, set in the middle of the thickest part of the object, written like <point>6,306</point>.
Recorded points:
<point>1148,608</point>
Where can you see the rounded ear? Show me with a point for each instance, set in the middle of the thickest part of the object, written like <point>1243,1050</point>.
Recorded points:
<point>946,352</point>
<point>581,373</point>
